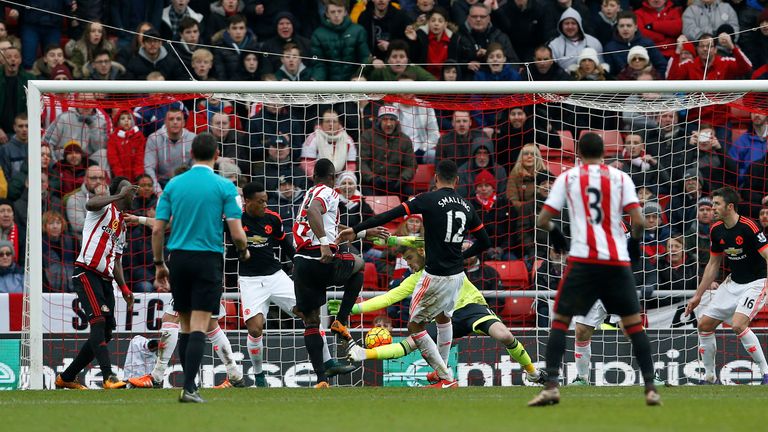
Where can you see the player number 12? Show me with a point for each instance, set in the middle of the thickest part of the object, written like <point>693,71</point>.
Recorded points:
<point>458,236</point>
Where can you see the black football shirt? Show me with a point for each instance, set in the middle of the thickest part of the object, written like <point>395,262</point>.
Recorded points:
<point>741,244</point>
<point>447,219</point>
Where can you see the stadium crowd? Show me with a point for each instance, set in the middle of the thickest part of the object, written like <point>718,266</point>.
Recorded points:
<point>386,152</point>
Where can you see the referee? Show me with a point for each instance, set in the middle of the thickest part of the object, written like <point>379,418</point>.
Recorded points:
<point>196,200</point>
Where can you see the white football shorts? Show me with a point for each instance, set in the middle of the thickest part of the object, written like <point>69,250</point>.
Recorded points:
<point>435,294</point>
<point>256,292</point>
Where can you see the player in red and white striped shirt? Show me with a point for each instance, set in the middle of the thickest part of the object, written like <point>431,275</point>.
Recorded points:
<point>599,263</point>
<point>96,266</point>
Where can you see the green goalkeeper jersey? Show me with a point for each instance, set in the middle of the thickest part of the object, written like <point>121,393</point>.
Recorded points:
<point>469,294</point>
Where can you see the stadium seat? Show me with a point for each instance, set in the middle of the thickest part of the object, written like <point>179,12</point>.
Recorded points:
<point>232,320</point>
<point>551,153</point>
<point>371,277</point>
<point>519,312</point>
<point>512,274</point>
<point>423,177</point>
<point>557,168</point>
<point>382,203</point>
<point>567,141</point>
<point>612,140</point>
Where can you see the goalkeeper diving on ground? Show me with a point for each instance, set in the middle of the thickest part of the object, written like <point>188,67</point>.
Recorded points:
<point>471,316</point>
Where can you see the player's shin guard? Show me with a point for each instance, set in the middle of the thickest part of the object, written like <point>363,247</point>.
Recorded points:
<point>83,358</point>
<point>429,351</point>
<point>707,350</point>
<point>752,345</point>
<point>223,348</point>
<point>555,351</point>
<point>583,354</point>
<point>165,347</point>
<point>195,348</point>
<point>444,339</point>
<point>351,290</point>
<point>256,353</point>
<point>641,348</point>
<point>518,353</point>
<point>98,342</point>
<point>314,343</point>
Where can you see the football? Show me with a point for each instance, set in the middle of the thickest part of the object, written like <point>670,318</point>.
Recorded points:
<point>377,336</point>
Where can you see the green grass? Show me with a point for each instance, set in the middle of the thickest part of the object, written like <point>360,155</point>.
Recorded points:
<point>593,409</point>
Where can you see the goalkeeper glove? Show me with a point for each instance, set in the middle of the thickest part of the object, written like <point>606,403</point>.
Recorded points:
<point>334,306</point>
<point>407,241</point>
<point>559,243</point>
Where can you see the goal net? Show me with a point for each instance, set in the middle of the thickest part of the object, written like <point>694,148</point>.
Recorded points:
<point>678,141</point>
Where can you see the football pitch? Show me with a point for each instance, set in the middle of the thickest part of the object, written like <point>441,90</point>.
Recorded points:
<point>593,409</point>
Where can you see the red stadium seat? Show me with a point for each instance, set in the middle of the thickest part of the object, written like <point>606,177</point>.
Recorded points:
<point>423,177</point>
<point>557,168</point>
<point>567,141</point>
<point>551,153</point>
<point>371,277</point>
<point>512,274</point>
<point>612,141</point>
<point>382,203</point>
<point>519,312</point>
<point>232,320</point>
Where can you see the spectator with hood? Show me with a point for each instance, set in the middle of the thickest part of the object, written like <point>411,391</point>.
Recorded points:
<point>286,26</point>
<point>572,40</point>
<point>483,158</point>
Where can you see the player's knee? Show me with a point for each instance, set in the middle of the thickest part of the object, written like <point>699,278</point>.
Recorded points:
<point>255,332</point>
<point>739,328</point>
<point>583,333</point>
<point>705,326</point>
<point>312,318</point>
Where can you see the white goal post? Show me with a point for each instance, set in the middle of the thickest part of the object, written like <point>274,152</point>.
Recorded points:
<point>357,89</point>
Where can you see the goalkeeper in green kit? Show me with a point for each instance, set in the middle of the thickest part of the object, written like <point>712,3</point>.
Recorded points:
<point>471,315</point>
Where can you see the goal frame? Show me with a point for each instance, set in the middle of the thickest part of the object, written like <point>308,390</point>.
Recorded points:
<point>36,88</point>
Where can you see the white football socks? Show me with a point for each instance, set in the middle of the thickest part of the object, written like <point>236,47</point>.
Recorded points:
<point>223,349</point>
<point>444,340</point>
<point>169,337</point>
<point>256,352</point>
<point>707,349</point>
<point>583,354</point>
<point>752,345</point>
<point>429,351</point>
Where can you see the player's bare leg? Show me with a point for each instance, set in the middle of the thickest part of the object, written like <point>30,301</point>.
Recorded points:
<point>429,351</point>
<point>641,348</point>
<point>550,395</point>
<point>583,353</point>
<point>750,342</point>
<point>516,350</point>
<point>708,346</point>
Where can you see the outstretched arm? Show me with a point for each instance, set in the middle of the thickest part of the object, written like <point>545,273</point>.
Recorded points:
<point>98,202</point>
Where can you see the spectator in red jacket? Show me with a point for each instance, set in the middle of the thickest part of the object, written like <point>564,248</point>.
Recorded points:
<point>125,149</point>
<point>662,22</point>
<point>710,65</point>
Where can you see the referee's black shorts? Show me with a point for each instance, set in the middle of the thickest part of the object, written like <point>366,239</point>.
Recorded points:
<point>311,278</point>
<point>95,295</point>
<point>585,283</point>
<point>196,280</point>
